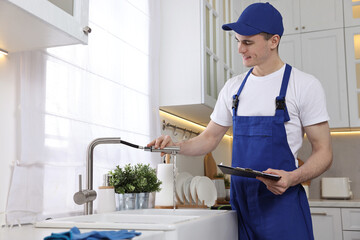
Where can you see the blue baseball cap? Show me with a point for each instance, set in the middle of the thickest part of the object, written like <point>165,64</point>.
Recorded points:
<point>257,18</point>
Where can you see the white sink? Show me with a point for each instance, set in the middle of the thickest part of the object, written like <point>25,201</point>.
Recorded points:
<point>212,223</point>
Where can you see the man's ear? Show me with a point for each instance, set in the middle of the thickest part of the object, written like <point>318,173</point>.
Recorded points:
<point>275,40</point>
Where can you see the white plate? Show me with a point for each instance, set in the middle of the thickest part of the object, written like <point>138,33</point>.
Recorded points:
<point>193,183</point>
<point>206,191</point>
<point>180,179</point>
<point>186,189</point>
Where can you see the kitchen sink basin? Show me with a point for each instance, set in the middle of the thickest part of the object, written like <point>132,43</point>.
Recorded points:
<point>143,219</point>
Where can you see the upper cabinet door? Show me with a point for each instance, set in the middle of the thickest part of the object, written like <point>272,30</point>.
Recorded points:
<point>308,15</point>
<point>351,13</point>
<point>33,24</point>
<point>353,73</point>
<point>290,50</point>
<point>321,14</point>
<point>323,55</point>
<point>290,11</point>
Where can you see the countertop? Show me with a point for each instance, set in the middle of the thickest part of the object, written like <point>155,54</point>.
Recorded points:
<point>29,232</point>
<point>194,228</point>
<point>353,203</point>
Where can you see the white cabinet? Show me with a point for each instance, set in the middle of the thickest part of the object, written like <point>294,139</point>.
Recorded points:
<point>351,223</point>
<point>326,223</point>
<point>336,223</point>
<point>350,235</point>
<point>196,55</point>
<point>322,54</point>
<point>351,219</point>
<point>353,70</point>
<point>308,15</point>
<point>33,24</point>
<point>351,13</point>
<point>290,50</point>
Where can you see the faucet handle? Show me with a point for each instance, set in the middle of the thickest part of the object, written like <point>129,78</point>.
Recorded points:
<point>80,182</point>
<point>84,196</point>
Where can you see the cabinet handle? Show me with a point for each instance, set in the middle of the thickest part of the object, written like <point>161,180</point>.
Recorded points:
<point>296,28</point>
<point>87,30</point>
<point>303,27</point>
<point>319,214</point>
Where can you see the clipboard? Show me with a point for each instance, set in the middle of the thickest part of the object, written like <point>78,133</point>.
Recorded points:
<point>247,172</point>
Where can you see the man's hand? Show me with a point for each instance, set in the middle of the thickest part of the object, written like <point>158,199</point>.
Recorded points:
<point>161,142</point>
<point>277,187</point>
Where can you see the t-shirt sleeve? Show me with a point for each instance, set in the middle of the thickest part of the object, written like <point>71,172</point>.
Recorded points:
<point>222,114</point>
<point>313,103</point>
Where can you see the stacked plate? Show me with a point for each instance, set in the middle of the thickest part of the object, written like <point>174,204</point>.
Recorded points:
<point>198,189</point>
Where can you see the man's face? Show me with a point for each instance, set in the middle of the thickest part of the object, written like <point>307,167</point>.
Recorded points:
<point>254,49</point>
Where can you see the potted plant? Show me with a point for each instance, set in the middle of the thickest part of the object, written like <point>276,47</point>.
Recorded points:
<point>133,184</point>
<point>227,184</point>
<point>227,187</point>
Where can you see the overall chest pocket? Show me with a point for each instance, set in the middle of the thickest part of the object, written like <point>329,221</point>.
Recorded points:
<point>253,131</point>
<point>253,147</point>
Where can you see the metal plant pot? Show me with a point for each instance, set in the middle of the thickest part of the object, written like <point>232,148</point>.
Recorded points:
<point>129,201</point>
<point>142,200</point>
<point>119,200</point>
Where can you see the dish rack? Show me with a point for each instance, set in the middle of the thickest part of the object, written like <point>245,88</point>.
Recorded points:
<point>197,204</point>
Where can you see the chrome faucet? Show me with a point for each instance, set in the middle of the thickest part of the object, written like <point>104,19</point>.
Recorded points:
<point>88,195</point>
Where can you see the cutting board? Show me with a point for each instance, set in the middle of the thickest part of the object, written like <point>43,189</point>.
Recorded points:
<point>210,167</point>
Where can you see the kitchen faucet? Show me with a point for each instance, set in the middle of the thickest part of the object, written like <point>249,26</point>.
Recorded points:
<point>88,195</point>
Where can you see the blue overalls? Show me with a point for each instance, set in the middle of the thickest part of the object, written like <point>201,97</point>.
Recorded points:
<point>260,142</point>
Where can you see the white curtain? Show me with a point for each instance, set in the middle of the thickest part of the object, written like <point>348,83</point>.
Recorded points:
<point>71,95</point>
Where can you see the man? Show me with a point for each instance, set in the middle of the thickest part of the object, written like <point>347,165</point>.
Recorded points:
<point>270,107</point>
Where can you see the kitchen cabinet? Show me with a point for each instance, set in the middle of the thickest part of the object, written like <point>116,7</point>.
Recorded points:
<point>352,38</point>
<point>350,235</point>
<point>336,223</point>
<point>326,223</point>
<point>351,219</point>
<point>351,13</point>
<point>290,50</point>
<point>196,55</point>
<point>33,24</point>
<point>322,54</point>
<point>308,15</point>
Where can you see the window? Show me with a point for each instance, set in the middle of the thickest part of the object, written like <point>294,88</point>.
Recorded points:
<point>73,94</point>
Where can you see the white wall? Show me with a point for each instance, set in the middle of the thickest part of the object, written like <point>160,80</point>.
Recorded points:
<point>346,162</point>
<point>9,101</point>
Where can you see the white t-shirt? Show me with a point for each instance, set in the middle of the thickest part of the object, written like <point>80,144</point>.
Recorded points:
<point>305,101</point>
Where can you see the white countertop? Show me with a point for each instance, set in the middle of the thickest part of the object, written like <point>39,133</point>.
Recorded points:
<point>29,232</point>
<point>194,228</point>
<point>354,203</point>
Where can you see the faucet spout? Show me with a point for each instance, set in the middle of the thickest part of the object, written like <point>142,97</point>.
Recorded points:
<point>90,166</point>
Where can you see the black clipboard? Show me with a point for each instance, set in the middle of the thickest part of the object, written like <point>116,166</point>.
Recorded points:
<point>247,172</point>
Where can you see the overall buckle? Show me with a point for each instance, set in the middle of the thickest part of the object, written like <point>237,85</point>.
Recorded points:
<point>235,101</point>
<point>280,104</point>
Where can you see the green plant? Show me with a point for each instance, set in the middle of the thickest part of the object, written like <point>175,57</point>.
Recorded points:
<point>134,179</point>
<point>219,175</point>
<point>227,182</point>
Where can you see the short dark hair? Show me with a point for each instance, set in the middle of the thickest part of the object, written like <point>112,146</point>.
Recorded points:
<point>267,36</point>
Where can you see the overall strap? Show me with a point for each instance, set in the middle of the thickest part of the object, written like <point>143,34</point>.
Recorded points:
<point>236,96</point>
<point>280,100</point>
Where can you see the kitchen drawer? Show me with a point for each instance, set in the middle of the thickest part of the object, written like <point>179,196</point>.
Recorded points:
<point>350,218</point>
<point>326,223</point>
<point>351,235</point>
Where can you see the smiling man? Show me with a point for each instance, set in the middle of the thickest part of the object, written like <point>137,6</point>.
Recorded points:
<point>270,107</point>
